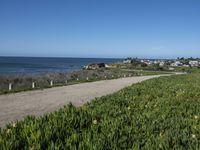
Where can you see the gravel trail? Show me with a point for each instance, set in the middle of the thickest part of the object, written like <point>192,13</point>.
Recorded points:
<point>18,105</point>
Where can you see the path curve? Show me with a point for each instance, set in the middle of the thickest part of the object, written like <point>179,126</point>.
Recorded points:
<point>18,105</point>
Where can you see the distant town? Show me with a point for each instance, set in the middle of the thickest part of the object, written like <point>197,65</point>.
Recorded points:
<point>171,64</point>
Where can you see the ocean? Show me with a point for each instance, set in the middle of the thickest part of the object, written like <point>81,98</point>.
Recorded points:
<point>38,65</point>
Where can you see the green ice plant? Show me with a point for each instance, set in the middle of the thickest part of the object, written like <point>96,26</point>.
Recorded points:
<point>161,113</point>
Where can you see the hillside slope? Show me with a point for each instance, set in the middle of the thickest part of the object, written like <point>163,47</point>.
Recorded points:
<point>161,113</point>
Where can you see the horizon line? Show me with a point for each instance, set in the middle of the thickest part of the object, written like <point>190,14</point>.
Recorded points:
<point>96,57</point>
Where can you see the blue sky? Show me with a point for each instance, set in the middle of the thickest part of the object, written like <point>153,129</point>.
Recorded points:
<point>100,28</point>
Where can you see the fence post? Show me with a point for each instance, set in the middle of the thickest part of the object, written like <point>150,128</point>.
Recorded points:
<point>10,86</point>
<point>33,85</point>
<point>51,83</point>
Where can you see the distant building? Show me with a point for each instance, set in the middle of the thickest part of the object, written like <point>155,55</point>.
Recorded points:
<point>186,65</point>
<point>176,64</point>
<point>194,63</point>
<point>156,62</point>
<point>162,63</point>
<point>127,61</point>
<point>147,62</point>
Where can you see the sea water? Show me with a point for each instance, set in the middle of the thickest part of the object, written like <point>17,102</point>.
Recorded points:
<point>37,65</point>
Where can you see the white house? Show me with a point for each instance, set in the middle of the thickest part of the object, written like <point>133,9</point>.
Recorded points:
<point>176,64</point>
<point>162,63</point>
<point>194,63</point>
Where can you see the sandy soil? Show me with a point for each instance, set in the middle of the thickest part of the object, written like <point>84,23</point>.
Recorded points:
<point>16,106</point>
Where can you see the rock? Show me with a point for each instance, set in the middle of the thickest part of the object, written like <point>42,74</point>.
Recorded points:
<point>95,66</point>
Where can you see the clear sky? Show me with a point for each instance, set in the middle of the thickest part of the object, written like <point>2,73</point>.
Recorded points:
<point>100,28</point>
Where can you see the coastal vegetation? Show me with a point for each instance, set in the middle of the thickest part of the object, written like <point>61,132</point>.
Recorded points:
<point>48,80</point>
<point>161,113</point>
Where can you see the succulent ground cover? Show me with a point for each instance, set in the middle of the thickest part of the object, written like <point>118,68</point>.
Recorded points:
<point>162,113</point>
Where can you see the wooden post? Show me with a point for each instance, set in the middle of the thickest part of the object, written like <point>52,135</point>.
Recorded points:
<point>105,77</point>
<point>33,85</point>
<point>10,86</point>
<point>51,83</point>
<point>87,78</point>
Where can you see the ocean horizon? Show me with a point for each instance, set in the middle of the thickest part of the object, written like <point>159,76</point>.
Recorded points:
<point>38,65</point>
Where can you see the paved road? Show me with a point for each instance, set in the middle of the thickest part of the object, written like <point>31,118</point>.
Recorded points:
<point>18,105</point>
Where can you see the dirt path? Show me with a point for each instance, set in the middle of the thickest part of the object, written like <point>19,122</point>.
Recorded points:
<point>17,106</point>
